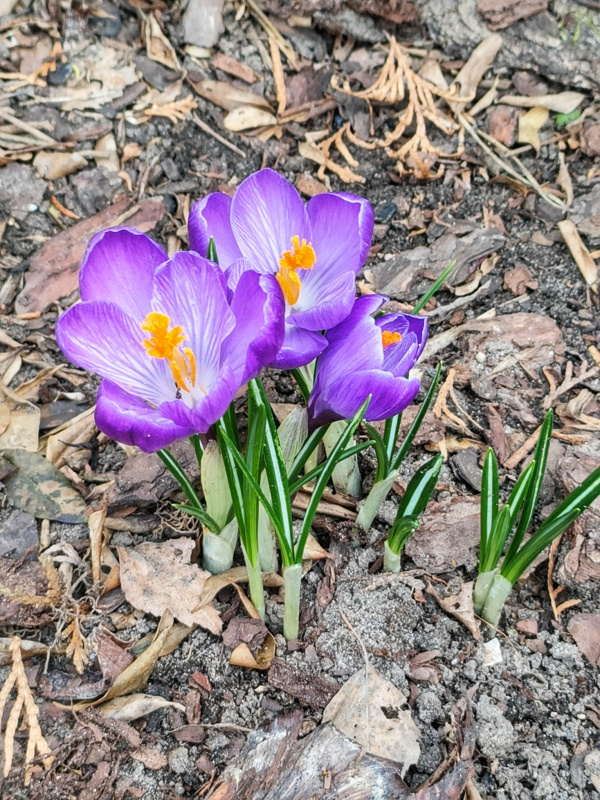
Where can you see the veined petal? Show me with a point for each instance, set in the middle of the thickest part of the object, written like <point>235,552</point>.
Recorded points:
<point>259,309</point>
<point>211,217</point>
<point>266,212</point>
<point>299,348</point>
<point>188,289</point>
<point>207,409</point>
<point>118,266</point>
<point>342,398</point>
<point>324,303</point>
<point>342,228</point>
<point>102,338</point>
<point>129,420</point>
<point>235,271</point>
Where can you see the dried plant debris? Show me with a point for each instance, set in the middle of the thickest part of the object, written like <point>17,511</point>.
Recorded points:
<point>396,83</point>
<point>36,744</point>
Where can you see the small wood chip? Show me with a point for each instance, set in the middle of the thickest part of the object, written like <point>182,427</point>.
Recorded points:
<point>581,255</point>
<point>233,67</point>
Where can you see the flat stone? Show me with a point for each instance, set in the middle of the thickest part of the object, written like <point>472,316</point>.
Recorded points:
<point>21,191</point>
<point>18,533</point>
<point>203,22</point>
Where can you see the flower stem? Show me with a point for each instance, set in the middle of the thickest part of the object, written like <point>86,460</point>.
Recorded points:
<point>481,589</point>
<point>494,602</point>
<point>391,560</point>
<point>218,549</point>
<point>375,498</point>
<point>292,577</point>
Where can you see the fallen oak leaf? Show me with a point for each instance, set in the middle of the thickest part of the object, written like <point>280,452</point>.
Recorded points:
<point>156,577</point>
<point>135,706</point>
<point>459,606</point>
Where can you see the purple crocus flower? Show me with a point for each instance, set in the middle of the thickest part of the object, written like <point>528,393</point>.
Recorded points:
<point>171,343</point>
<point>315,252</point>
<point>367,356</point>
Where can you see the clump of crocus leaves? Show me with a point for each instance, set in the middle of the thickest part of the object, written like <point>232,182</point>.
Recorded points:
<point>268,282</point>
<point>495,582</point>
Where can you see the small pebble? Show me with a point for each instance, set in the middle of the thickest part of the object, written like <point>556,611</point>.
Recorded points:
<point>527,626</point>
<point>492,653</point>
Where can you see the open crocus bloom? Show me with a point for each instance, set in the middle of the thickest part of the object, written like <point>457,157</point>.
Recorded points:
<point>171,343</point>
<point>367,356</point>
<point>315,252</point>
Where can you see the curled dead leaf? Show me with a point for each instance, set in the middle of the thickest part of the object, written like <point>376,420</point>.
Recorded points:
<point>530,125</point>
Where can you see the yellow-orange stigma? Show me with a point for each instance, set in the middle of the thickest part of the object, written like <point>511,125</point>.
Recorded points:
<point>164,343</point>
<point>301,256</point>
<point>390,337</point>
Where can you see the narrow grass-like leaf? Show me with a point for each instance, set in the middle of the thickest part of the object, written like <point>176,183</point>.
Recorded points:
<point>430,292</point>
<point>302,383</point>
<point>314,473</point>
<point>238,460</point>
<point>418,420</point>
<point>545,535</point>
<point>230,452</point>
<point>324,478</point>
<point>519,492</point>
<point>306,451</point>
<point>489,507</point>
<point>540,457</point>
<point>178,473</point>
<point>390,435</point>
<point>204,518</point>
<point>196,444</point>
<point>497,540</point>
<point>276,475</point>
<point>211,251</point>
<point>383,463</point>
<point>581,497</point>
<point>417,495</point>
<point>254,457</point>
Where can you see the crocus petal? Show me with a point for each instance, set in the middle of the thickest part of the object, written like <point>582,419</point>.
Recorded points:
<point>118,266</point>
<point>210,217</point>
<point>127,419</point>
<point>400,357</point>
<point>235,271</point>
<point>266,212</point>
<point>341,399</point>
<point>299,348</point>
<point>342,228</point>
<point>259,310</point>
<point>327,301</point>
<point>207,409</point>
<point>188,289</point>
<point>102,338</point>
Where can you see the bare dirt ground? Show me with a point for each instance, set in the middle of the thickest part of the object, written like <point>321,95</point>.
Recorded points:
<point>112,116</point>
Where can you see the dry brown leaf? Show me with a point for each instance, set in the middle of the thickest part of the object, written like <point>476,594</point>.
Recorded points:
<point>563,103</point>
<point>262,658</point>
<point>581,255</point>
<point>136,675</point>
<point>530,125</point>
<point>244,118</point>
<point>150,757</point>
<point>226,96</point>
<point>19,422</point>
<point>59,448</point>
<point>278,76</point>
<point>478,63</point>
<point>564,179</point>
<point>460,606</point>
<point>135,706</point>
<point>215,583</point>
<point>158,47</point>
<point>156,577</point>
<point>357,711</point>
<point>233,67</point>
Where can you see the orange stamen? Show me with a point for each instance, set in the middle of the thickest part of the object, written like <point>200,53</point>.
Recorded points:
<point>301,256</point>
<point>164,343</point>
<point>390,337</point>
